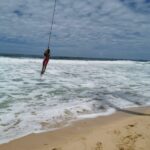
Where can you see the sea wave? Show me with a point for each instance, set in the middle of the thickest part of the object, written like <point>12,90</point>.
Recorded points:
<point>68,91</point>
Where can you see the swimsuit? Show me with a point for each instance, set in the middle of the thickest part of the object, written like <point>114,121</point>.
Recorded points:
<point>45,61</point>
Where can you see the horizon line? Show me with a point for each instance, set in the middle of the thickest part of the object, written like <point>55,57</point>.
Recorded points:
<point>17,55</point>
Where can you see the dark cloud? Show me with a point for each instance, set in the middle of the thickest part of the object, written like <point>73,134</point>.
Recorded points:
<point>147,1</point>
<point>142,6</point>
<point>18,13</point>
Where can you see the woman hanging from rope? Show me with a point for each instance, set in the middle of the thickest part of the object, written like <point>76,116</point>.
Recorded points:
<point>47,51</point>
<point>46,59</point>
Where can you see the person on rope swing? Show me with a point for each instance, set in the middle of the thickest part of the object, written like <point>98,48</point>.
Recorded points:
<point>46,60</point>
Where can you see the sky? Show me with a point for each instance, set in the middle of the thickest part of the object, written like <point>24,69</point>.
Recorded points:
<point>82,28</point>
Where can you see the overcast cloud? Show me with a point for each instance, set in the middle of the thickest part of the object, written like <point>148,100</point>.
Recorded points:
<point>89,28</point>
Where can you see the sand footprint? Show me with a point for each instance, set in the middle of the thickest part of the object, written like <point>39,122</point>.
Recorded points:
<point>98,146</point>
<point>56,149</point>
<point>131,126</point>
<point>128,138</point>
<point>128,142</point>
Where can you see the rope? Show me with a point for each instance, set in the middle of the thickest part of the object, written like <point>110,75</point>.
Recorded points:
<point>51,25</point>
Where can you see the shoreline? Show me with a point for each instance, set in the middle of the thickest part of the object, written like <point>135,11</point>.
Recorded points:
<point>88,133</point>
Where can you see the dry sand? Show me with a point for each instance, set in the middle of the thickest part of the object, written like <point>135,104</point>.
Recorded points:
<point>126,130</point>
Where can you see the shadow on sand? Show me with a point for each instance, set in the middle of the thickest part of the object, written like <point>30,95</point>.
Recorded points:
<point>126,111</point>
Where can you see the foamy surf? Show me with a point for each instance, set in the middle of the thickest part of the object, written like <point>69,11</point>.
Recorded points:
<point>69,90</point>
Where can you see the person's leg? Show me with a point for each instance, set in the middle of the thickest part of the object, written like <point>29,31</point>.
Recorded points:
<point>42,71</point>
<point>45,65</point>
<point>45,62</point>
<point>44,68</point>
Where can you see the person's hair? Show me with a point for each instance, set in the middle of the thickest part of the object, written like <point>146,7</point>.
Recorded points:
<point>48,50</point>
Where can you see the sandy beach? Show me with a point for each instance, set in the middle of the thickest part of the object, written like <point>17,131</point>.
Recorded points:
<point>124,130</point>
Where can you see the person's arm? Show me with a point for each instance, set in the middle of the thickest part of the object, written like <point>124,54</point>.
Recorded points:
<point>45,53</point>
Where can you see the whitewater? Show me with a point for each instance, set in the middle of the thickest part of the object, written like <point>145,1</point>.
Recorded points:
<point>69,90</point>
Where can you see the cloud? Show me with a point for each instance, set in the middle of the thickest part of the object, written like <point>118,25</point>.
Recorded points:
<point>79,26</point>
<point>140,6</point>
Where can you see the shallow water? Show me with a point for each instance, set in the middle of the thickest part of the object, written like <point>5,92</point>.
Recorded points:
<point>69,90</point>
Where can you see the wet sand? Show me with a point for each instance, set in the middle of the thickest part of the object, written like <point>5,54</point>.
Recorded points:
<point>124,130</point>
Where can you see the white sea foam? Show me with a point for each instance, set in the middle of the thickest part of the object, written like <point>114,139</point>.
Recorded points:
<point>68,91</point>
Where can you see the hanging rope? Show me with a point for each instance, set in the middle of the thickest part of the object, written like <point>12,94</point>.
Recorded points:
<point>51,25</point>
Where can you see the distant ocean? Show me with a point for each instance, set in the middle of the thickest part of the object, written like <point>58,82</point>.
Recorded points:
<point>69,90</point>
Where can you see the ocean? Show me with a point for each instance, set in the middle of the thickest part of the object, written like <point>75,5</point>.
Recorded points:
<point>69,90</point>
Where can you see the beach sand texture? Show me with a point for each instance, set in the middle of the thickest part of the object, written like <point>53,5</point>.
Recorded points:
<point>120,131</point>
